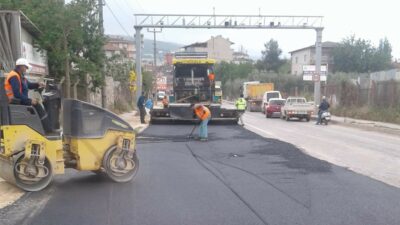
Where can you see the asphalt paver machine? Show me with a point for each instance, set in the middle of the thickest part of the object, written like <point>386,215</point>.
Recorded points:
<point>193,82</point>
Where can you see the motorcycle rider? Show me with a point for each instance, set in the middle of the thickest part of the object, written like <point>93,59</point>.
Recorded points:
<point>324,106</point>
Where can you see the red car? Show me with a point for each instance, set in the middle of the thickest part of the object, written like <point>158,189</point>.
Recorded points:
<point>273,108</point>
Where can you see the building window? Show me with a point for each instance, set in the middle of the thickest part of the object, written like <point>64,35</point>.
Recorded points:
<point>305,58</point>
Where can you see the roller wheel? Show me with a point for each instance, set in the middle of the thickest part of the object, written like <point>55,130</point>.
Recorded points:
<point>32,177</point>
<point>119,167</point>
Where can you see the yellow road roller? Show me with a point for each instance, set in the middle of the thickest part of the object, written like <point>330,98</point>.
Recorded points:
<point>91,139</point>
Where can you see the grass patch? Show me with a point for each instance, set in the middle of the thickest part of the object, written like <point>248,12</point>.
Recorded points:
<point>388,115</point>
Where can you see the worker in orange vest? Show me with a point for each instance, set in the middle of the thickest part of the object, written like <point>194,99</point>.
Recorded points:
<point>204,114</point>
<point>165,102</point>
<point>17,86</point>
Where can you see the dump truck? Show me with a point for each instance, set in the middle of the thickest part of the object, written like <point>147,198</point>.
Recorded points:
<point>254,92</point>
<point>193,82</point>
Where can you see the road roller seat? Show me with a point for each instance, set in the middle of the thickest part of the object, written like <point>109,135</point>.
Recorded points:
<point>25,115</point>
<point>12,113</point>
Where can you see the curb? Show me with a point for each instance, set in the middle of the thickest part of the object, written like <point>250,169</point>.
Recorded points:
<point>9,193</point>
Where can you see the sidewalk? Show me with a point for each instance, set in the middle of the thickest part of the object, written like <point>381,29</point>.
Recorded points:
<point>390,128</point>
<point>10,193</point>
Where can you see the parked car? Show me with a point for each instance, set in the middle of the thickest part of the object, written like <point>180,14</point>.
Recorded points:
<point>273,108</point>
<point>267,96</point>
<point>296,107</point>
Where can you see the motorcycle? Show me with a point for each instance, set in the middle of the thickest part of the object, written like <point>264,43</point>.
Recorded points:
<point>325,117</point>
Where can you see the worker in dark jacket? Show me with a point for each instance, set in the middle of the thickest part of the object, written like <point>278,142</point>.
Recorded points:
<point>140,104</point>
<point>17,87</point>
<point>324,106</point>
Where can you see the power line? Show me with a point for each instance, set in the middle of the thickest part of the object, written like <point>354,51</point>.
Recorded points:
<point>129,6</point>
<point>122,9</point>
<point>115,17</point>
<point>140,6</point>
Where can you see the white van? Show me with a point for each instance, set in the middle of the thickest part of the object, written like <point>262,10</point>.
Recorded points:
<point>267,96</point>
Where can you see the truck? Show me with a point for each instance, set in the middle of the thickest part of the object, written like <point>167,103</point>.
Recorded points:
<point>18,35</point>
<point>218,92</point>
<point>193,82</point>
<point>297,107</point>
<point>254,92</point>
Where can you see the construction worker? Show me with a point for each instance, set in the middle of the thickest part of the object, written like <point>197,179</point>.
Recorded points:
<point>165,102</point>
<point>17,86</point>
<point>148,106</point>
<point>142,110</point>
<point>204,114</point>
<point>241,105</point>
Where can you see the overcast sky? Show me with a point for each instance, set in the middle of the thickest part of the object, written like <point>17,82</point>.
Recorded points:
<point>370,20</point>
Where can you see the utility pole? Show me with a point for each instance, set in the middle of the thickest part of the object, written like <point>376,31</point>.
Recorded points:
<point>138,46</point>
<point>317,76</point>
<point>103,73</point>
<point>154,31</point>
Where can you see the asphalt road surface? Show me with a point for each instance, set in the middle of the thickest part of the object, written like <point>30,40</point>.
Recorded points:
<point>237,177</point>
<point>369,152</point>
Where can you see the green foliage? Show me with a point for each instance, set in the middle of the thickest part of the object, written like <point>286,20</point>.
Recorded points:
<point>270,60</point>
<point>232,76</point>
<point>70,35</point>
<point>147,81</point>
<point>389,115</point>
<point>118,68</point>
<point>359,55</point>
<point>229,71</point>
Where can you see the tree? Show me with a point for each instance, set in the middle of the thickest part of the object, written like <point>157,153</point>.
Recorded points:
<point>229,72</point>
<point>359,55</point>
<point>147,81</point>
<point>70,35</point>
<point>270,60</point>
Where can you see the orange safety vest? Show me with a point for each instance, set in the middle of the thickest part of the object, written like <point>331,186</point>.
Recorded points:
<point>8,87</point>
<point>165,102</point>
<point>202,112</point>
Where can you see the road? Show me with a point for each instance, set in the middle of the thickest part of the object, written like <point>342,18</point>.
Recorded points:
<point>371,153</point>
<point>237,177</point>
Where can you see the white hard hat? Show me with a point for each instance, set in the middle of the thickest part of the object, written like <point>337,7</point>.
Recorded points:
<point>323,97</point>
<point>23,62</point>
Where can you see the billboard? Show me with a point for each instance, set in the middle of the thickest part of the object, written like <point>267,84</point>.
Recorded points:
<point>162,83</point>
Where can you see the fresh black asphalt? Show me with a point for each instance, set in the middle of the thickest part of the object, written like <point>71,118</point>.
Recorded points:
<point>237,177</point>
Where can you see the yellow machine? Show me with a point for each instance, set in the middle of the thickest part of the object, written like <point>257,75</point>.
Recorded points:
<point>93,139</point>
